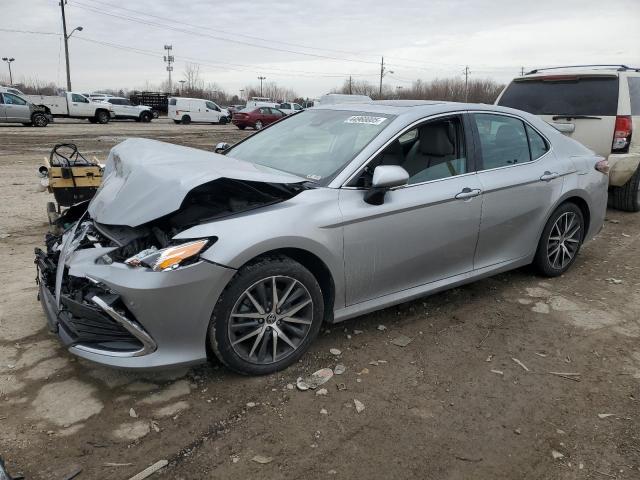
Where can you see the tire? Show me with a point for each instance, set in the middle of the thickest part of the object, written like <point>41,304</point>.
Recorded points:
<point>554,257</point>
<point>186,119</point>
<point>249,357</point>
<point>102,117</point>
<point>177,122</point>
<point>92,120</point>
<point>155,113</point>
<point>627,197</point>
<point>242,127</point>
<point>39,120</point>
<point>146,117</point>
<point>258,125</point>
<point>223,120</point>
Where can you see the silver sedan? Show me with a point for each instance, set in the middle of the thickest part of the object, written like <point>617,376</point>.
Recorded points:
<point>328,214</point>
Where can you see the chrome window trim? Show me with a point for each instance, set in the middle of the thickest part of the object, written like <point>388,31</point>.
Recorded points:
<point>448,114</point>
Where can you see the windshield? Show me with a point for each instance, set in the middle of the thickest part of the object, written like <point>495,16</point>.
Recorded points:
<point>568,96</point>
<point>314,144</point>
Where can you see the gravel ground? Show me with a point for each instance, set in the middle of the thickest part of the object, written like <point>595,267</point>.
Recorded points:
<point>471,396</point>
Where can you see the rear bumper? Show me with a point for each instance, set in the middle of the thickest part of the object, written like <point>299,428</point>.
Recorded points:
<point>621,167</point>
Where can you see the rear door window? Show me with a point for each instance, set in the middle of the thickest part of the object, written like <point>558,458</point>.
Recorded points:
<point>537,144</point>
<point>634,94</point>
<point>503,140</point>
<point>564,95</point>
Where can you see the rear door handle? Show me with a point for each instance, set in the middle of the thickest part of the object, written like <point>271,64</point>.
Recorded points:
<point>548,176</point>
<point>468,193</point>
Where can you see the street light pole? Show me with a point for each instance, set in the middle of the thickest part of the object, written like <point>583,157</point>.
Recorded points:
<point>66,42</point>
<point>261,79</point>
<point>9,60</point>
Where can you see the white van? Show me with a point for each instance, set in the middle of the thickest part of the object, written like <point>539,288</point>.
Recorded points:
<point>187,110</point>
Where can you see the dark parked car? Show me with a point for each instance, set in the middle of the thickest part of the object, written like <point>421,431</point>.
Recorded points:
<point>257,117</point>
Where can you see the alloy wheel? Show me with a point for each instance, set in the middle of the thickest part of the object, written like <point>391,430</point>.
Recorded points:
<point>564,240</point>
<point>270,320</point>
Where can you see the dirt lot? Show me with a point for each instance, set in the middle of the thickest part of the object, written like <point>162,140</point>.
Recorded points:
<point>470,397</point>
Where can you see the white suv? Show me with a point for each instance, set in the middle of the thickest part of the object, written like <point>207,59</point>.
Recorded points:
<point>598,105</point>
<point>123,108</point>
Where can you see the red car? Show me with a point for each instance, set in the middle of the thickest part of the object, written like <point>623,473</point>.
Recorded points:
<point>257,117</point>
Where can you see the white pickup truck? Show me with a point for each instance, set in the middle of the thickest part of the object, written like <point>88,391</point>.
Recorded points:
<point>73,105</point>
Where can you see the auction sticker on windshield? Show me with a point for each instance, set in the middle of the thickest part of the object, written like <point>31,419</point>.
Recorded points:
<point>365,119</point>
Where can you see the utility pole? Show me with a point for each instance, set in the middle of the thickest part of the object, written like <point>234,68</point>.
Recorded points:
<point>466,83</point>
<point>261,79</point>
<point>382,73</point>
<point>522,71</point>
<point>9,60</point>
<point>181,86</point>
<point>399,90</point>
<point>168,58</point>
<point>350,90</point>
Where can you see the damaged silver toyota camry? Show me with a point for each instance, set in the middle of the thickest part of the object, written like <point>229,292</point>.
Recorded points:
<point>326,215</point>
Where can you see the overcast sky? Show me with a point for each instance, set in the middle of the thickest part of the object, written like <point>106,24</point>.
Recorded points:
<point>312,46</point>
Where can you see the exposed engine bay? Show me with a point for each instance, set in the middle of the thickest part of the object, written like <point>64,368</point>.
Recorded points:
<point>213,200</point>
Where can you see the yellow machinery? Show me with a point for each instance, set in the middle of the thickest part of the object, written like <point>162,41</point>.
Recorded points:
<point>70,177</point>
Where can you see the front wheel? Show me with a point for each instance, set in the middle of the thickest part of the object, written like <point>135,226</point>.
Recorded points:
<point>560,241</point>
<point>39,120</point>
<point>223,120</point>
<point>242,127</point>
<point>146,117</point>
<point>267,316</point>
<point>258,125</point>
<point>102,117</point>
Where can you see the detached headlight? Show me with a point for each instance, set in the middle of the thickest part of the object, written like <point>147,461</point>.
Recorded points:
<point>167,258</point>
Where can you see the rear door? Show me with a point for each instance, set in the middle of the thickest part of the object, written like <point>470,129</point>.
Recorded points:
<point>521,178</point>
<point>583,107</point>
<point>16,108</point>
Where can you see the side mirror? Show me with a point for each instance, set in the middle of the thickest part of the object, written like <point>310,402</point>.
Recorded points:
<point>221,147</point>
<point>384,178</point>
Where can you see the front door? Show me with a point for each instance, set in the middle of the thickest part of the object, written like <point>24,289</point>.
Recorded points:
<point>3,115</point>
<point>520,179</point>
<point>423,232</point>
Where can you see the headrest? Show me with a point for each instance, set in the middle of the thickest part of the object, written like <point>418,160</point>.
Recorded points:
<point>436,140</point>
<point>507,134</point>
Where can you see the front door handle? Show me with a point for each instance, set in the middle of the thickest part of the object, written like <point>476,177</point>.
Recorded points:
<point>548,176</point>
<point>468,193</point>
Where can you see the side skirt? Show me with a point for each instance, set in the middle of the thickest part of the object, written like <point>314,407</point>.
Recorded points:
<point>426,290</point>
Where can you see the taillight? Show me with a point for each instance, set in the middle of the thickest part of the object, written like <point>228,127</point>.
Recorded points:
<point>603,166</point>
<point>622,134</point>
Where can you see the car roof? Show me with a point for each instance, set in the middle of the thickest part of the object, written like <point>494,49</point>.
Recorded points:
<point>411,107</point>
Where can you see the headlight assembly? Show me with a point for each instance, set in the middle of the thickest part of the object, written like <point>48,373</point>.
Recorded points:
<point>168,258</point>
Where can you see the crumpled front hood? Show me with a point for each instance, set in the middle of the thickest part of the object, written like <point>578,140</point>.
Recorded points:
<point>147,179</point>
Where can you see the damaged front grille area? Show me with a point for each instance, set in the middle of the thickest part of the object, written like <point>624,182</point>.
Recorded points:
<point>88,323</point>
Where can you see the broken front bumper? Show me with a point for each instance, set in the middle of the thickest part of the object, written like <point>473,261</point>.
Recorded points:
<point>128,317</point>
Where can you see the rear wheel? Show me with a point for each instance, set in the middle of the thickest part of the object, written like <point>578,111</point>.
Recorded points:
<point>155,113</point>
<point>560,241</point>
<point>102,117</point>
<point>39,120</point>
<point>186,119</point>
<point>627,197</point>
<point>242,127</point>
<point>267,316</point>
<point>176,121</point>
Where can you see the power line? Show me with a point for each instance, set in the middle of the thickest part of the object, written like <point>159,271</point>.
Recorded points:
<point>229,40</point>
<point>226,32</point>
<point>11,30</point>
<point>220,64</point>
